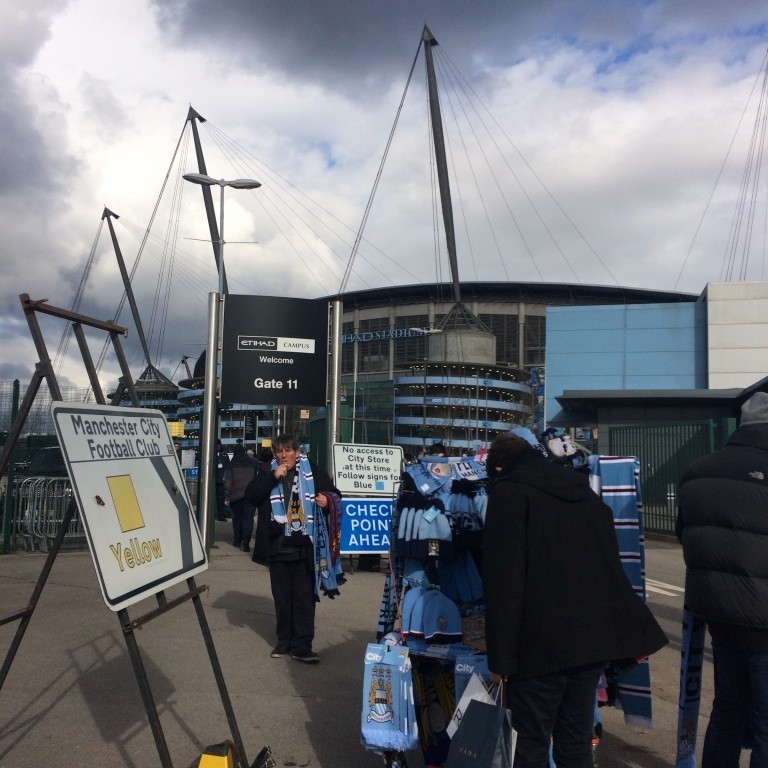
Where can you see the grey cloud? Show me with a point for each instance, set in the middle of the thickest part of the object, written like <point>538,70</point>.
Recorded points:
<point>104,108</point>
<point>17,370</point>
<point>31,162</point>
<point>348,45</point>
<point>343,46</point>
<point>27,27</point>
<point>27,162</point>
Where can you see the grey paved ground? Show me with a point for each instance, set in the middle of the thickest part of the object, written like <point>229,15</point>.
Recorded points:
<point>71,698</point>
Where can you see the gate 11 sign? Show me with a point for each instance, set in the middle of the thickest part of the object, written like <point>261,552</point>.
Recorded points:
<point>274,351</point>
<point>366,469</point>
<point>132,498</point>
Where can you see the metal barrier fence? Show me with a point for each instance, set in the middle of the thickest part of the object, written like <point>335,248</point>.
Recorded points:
<point>39,504</point>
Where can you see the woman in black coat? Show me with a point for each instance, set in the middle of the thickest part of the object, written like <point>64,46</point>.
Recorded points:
<point>559,605</point>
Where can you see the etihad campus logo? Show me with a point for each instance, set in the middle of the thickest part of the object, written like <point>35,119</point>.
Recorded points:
<point>275,344</point>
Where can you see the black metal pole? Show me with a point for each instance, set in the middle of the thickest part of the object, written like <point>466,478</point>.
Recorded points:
<point>144,689</point>
<point>217,673</point>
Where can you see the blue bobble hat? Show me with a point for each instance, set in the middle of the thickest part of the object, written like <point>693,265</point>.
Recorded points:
<point>413,572</point>
<point>430,614</point>
<point>410,613</point>
<point>441,620</point>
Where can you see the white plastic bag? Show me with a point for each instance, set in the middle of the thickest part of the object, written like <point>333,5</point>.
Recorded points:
<point>475,690</point>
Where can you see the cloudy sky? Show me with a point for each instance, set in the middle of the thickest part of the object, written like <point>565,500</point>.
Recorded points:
<point>601,143</point>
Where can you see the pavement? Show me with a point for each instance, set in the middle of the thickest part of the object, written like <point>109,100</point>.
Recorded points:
<point>71,697</point>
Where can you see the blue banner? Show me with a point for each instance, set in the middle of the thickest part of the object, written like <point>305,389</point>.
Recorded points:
<point>365,526</point>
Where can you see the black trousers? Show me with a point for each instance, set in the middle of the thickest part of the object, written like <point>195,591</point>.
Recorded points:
<point>220,494</point>
<point>559,708</point>
<point>242,521</point>
<point>293,591</point>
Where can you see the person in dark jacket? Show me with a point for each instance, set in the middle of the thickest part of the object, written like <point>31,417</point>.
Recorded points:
<point>559,606</point>
<point>722,524</point>
<point>223,480</point>
<point>282,544</point>
<point>243,471</point>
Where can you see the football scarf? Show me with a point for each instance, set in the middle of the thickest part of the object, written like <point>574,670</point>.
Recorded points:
<point>691,662</point>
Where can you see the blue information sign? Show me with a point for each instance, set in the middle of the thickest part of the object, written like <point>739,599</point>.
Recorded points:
<point>365,526</point>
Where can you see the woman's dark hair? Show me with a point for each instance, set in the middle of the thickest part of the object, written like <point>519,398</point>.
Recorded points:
<point>504,450</point>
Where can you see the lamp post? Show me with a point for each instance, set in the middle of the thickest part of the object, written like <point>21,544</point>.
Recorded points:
<point>486,382</point>
<point>426,332</point>
<point>208,181</point>
<point>213,352</point>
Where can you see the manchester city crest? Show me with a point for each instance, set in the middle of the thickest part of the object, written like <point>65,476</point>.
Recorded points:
<point>380,695</point>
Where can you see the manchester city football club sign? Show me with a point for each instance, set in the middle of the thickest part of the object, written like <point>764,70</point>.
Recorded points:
<point>275,351</point>
<point>132,499</point>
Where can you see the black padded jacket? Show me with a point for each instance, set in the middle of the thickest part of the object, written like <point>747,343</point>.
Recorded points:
<point>722,523</point>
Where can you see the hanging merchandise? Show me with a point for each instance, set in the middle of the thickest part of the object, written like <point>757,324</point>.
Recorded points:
<point>423,528</point>
<point>432,598</point>
<point>388,716</point>
<point>691,662</point>
<point>616,479</point>
<point>466,667</point>
<point>430,615</point>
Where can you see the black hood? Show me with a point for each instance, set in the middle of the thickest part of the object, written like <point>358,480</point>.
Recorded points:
<point>533,470</point>
<point>752,435</point>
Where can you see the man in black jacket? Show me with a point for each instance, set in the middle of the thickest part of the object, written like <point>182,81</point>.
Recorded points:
<point>558,603</point>
<point>243,471</point>
<point>291,558</point>
<point>722,523</point>
<point>223,480</point>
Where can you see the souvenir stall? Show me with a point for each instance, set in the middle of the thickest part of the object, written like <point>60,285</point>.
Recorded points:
<point>432,610</point>
<point>432,600</point>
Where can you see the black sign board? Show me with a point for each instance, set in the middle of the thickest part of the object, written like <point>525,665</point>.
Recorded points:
<point>275,351</point>
<point>251,421</point>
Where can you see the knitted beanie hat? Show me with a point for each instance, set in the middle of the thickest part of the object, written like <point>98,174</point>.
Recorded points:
<point>755,410</point>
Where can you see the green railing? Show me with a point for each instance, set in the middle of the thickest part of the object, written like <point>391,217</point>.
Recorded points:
<point>664,451</point>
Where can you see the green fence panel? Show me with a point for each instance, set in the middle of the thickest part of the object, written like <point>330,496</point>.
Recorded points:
<point>664,452</point>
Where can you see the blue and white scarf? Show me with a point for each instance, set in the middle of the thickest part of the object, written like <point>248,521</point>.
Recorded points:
<point>617,480</point>
<point>691,663</point>
<point>302,525</point>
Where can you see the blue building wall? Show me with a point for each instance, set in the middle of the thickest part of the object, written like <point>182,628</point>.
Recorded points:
<point>636,346</point>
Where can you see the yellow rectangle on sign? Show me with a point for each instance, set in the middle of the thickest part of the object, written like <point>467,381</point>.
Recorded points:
<point>126,503</point>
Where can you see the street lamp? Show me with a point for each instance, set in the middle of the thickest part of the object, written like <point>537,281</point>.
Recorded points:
<point>212,354</point>
<point>426,332</point>
<point>208,181</point>
<point>486,382</point>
